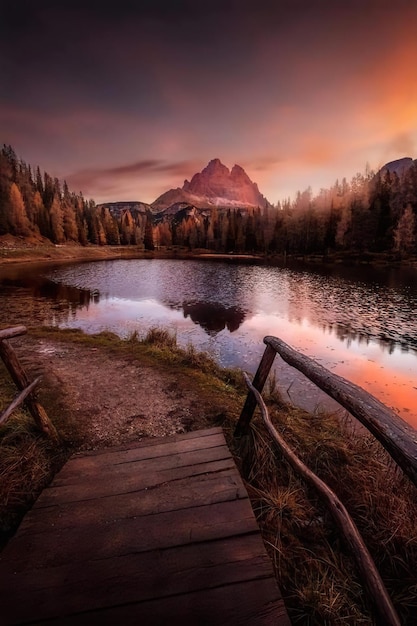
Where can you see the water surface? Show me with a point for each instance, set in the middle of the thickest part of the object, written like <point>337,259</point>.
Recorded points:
<point>358,322</point>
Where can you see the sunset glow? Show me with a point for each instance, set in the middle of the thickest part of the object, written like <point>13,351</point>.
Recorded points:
<point>126,102</point>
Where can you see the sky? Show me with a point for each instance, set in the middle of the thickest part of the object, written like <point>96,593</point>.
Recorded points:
<point>126,99</point>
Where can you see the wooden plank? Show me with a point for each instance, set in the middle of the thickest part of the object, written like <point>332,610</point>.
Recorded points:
<point>145,576</point>
<point>183,545</point>
<point>170,496</point>
<point>80,465</point>
<point>77,472</point>
<point>162,448</point>
<point>249,603</point>
<point>131,535</point>
<point>127,482</point>
<point>148,442</point>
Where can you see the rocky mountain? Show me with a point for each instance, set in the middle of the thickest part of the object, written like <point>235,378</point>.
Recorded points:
<point>399,166</point>
<point>117,208</point>
<point>215,185</point>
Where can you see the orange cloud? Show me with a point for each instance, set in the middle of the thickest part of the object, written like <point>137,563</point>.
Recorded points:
<point>386,113</point>
<point>317,151</point>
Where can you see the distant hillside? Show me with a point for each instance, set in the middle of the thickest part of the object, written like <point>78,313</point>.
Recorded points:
<point>215,186</point>
<point>118,208</point>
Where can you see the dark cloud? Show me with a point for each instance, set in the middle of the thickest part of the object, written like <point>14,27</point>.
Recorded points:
<point>114,177</point>
<point>139,168</point>
<point>278,86</point>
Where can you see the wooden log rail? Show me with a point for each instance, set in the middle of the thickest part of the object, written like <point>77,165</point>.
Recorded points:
<point>370,575</point>
<point>397,437</point>
<point>21,380</point>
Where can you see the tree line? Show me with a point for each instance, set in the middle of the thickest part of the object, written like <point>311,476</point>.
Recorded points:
<point>33,204</point>
<point>370,213</point>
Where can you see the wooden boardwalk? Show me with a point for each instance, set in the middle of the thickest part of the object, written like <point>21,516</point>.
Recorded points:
<point>153,534</point>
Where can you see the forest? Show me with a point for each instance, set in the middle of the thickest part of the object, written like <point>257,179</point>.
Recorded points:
<point>35,205</point>
<point>370,213</point>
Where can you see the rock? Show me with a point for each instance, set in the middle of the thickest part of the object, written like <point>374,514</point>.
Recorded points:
<point>215,185</point>
<point>399,166</point>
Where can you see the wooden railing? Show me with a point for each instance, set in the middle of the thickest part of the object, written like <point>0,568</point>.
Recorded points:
<point>397,437</point>
<point>21,380</point>
<point>381,600</point>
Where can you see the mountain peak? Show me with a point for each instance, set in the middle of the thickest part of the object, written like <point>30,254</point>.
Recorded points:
<point>239,174</point>
<point>214,164</point>
<point>399,166</point>
<point>215,185</point>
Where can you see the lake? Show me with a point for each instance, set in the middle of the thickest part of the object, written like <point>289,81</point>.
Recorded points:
<point>359,322</point>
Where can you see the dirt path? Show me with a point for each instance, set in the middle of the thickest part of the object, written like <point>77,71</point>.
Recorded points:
<point>110,400</point>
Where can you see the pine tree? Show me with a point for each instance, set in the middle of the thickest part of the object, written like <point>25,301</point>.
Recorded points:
<point>56,216</point>
<point>343,226</point>
<point>405,232</point>
<point>70,218</point>
<point>148,239</point>
<point>127,228</point>
<point>110,227</point>
<point>39,181</point>
<point>18,219</point>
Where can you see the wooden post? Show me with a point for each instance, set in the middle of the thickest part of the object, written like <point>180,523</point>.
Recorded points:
<point>18,400</point>
<point>21,381</point>
<point>258,382</point>
<point>8,333</point>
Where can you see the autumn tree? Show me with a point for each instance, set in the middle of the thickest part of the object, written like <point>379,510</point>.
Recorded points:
<point>165,234</point>
<point>405,232</point>
<point>110,227</point>
<point>70,218</point>
<point>343,226</point>
<point>148,238</point>
<point>56,216</point>
<point>127,228</point>
<point>18,219</point>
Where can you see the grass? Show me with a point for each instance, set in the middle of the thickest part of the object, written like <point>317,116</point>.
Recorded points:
<point>315,571</point>
<point>157,347</point>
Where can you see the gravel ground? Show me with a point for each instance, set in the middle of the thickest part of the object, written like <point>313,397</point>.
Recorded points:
<point>111,400</point>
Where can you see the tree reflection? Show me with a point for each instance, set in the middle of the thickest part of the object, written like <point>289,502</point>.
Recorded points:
<point>214,317</point>
<point>41,300</point>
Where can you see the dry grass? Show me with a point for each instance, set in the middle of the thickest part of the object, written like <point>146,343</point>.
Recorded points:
<point>27,463</point>
<point>28,460</point>
<point>162,343</point>
<point>317,575</point>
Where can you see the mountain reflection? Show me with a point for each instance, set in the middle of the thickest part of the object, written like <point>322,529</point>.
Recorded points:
<point>34,298</point>
<point>214,317</point>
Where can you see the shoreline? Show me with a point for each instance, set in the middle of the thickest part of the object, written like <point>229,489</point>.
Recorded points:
<point>12,252</point>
